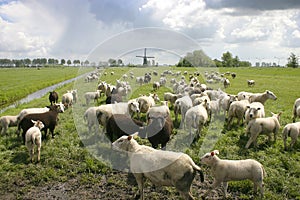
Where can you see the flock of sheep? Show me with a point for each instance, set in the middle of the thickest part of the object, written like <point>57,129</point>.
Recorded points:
<point>195,102</point>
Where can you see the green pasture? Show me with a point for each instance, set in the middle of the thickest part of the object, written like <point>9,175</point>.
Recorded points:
<point>17,83</point>
<point>66,158</point>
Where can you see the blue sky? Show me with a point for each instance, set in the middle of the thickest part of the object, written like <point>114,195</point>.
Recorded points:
<point>256,30</point>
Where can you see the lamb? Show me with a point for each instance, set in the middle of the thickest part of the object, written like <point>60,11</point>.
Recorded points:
<point>266,125</point>
<point>33,137</point>
<point>292,130</point>
<point>7,121</point>
<point>262,97</point>
<point>237,109</point>
<point>181,107</point>
<point>226,83</point>
<point>156,86</point>
<point>234,170</point>
<point>53,97</point>
<point>164,168</point>
<point>254,110</point>
<point>145,102</point>
<point>296,109</point>
<point>91,96</point>
<point>67,99</point>
<point>196,117</point>
<point>168,96</point>
<point>250,83</point>
<point>49,120</point>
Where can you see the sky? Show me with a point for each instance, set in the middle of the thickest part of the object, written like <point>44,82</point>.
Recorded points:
<point>253,30</point>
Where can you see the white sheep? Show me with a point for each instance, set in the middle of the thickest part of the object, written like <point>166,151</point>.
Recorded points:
<point>163,110</point>
<point>237,110</point>
<point>181,106</point>
<point>199,100</point>
<point>254,110</point>
<point>67,99</point>
<point>262,97</point>
<point>226,100</point>
<point>292,130</point>
<point>145,102</point>
<point>7,121</point>
<point>168,96</point>
<point>226,83</point>
<point>296,109</point>
<point>244,95</point>
<point>91,96</point>
<point>265,125</point>
<point>34,137</point>
<point>234,170</point>
<point>162,168</point>
<point>91,118</point>
<point>156,85</point>
<point>250,83</point>
<point>196,117</point>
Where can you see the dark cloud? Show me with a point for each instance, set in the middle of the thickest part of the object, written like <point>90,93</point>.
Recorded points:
<point>111,11</point>
<point>260,5</point>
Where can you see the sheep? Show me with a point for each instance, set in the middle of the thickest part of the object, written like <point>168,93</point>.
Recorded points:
<point>120,124</point>
<point>196,117</point>
<point>33,137</point>
<point>168,96</point>
<point>214,106</point>
<point>145,102</point>
<point>102,87</point>
<point>244,95</point>
<point>7,121</point>
<point>156,86</point>
<point>250,83</point>
<point>296,109</point>
<point>254,110</point>
<point>266,125</point>
<point>181,106</point>
<point>49,119</point>
<point>53,97</point>
<point>91,96</point>
<point>199,100</point>
<point>26,111</point>
<point>234,170</point>
<point>237,109</point>
<point>226,83</point>
<point>226,100</point>
<point>91,119</point>
<point>262,97</point>
<point>163,168</point>
<point>292,130</point>
<point>67,99</point>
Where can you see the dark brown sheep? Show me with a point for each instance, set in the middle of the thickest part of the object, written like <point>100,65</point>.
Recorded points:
<point>120,124</point>
<point>49,120</point>
<point>53,97</point>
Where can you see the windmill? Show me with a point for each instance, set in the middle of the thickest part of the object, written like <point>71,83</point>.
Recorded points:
<point>145,58</point>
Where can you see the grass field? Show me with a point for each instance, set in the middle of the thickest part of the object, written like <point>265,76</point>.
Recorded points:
<point>17,83</point>
<point>68,170</point>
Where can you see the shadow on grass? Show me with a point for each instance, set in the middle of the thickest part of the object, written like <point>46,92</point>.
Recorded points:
<point>20,157</point>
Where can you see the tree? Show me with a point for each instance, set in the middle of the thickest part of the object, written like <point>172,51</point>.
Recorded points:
<point>195,59</point>
<point>120,62</point>
<point>112,62</point>
<point>227,60</point>
<point>69,62</point>
<point>62,61</point>
<point>293,61</point>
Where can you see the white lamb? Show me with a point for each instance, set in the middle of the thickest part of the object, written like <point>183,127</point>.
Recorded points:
<point>296,109</point>
<point>181,106</point>
<point>254,110</point>
<point>91,96</point>
<point>262,97</point>
<point>162,168</point>
<point>7,121</point>
<point>237,110</point>
<point>34,137</point>
<point>292,130</point>
<point>266,126</point>
<point>234,170</point>
<point>196,117</point>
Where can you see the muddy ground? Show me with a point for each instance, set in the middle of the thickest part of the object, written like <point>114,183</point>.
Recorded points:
<point>115,185</point>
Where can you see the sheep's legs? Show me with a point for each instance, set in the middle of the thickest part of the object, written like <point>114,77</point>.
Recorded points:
<point>215,184</point>
<point>140,180</point>
<point>38,154</point>
<point>225,185</point>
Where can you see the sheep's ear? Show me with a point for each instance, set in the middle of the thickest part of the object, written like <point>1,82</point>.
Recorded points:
<point>272,113</point>
<point>214,152</point>
<point>134,134</point>
<point>33,121</point>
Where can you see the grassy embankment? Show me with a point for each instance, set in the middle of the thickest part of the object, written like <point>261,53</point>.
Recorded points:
<point>64,158</point>
<point>17,83</point>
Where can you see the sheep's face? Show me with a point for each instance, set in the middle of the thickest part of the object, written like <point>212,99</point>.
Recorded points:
<point>122,144</point>
<point>253,112</point>
<point>155,123</point>
<point>134,106</point>
<point>209,158</point>
<point>271,95</point>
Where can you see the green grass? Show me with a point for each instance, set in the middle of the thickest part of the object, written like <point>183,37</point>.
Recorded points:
<point>65,157</point>
<point>17,83</point>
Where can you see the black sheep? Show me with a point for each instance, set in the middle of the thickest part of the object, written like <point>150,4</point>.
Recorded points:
<point>49,120</point>
<point>53,97</point>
